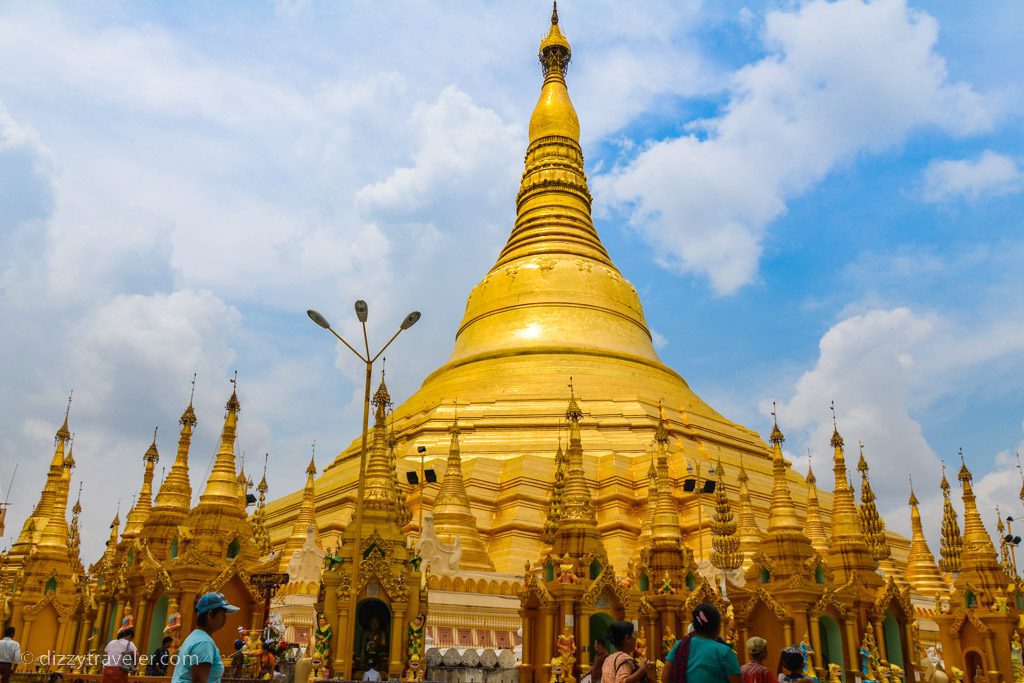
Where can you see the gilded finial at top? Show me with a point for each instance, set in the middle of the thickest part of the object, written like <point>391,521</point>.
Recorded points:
<point>64,434</point>
<point>913,498</point>
<point>965,474</point>
<point>573,412</point>
<point>776,438</point>
<point>661,432</point>
<point>811,479</point>
<point>555,52</point>
<point>233,406</point>
<point>837,440</point>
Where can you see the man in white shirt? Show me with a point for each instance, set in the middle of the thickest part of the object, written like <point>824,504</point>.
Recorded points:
<point>10,655</point>
<point>371,675</point>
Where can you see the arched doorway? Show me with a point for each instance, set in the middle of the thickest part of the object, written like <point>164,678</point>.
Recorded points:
<point>973,663</point>
<point>599,623</point>
<point>372,636</point>
<point>156,624</point>
<point>831,642</point>
<point>893,642</point>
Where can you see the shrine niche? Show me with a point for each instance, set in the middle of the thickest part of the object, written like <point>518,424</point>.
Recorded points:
<point>373,626</point>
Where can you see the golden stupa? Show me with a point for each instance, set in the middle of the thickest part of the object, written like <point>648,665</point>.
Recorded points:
<point>552,310</point>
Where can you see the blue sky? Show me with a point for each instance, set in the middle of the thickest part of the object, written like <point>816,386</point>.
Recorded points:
<point>817,201</point>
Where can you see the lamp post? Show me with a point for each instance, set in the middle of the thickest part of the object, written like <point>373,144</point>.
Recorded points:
<point>697,486</point>
<point>1012,541</point>
<point>362,312</point>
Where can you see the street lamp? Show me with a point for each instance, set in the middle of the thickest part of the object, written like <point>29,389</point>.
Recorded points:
<point>1012,541</point>
<point>697,486</point>
<point>362,312</point>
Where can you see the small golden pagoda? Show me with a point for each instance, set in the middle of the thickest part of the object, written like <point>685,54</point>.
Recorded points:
<point>922,573</point>
<point>815,525</point>
<point>388,594</point>
<point>786,580</point>
<point>42,584</point>
<point>977,627</point>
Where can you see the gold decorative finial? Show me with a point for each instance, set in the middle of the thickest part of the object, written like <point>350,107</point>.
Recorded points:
<point>837,440</point>
<point>233,406</point>
<point>554,13</point>
<point>811,479</point>
<point>573,412</point>
<point>64,434</point>
<point>964,474</point>
<point>192,394</point>
<point>776,438</point>
<point>1021,470</point>
<point>555,52</point>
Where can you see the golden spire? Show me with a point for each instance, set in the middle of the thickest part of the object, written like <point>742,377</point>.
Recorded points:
<point>221,489</point>
<point>725,544</point>
<point>749,532</point>
<point>139,513</point>
<point>782,513</point>
<point>665,529</point>
<point>871,522</point>
<point>74,535</point>
<point>922,573</point>
<point>554,201</point>
<point>951,543</point>
<point>453,513</point>
<point>260,535</point>
<point>175,493</point>
<point>979,565</point>
<point>784,543</point>
<point>557,490</point>
<point>814,523</point>
<point>52,518</point>
<point>577,532</point>
<point>306,516</point>
<point>380,474</point>
<point>849,553</point>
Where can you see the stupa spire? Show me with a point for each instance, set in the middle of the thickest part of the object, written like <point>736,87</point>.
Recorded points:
<point>175,493</point>
<point>380,474</point>
<point>577,532</point>
<point>749,532</point>
<point>139,513</point>
<point>782,513</point>
<point>951,543</point>
<point>815,524</point>
<point>871,522</point>
<point>849,553</point>
<point>48,525</point>
<point>222,487</point>
<point>784,543</point>
<point>260,535</point>
<point>652,499</point>
<point>74,533</point>
<point>557,491</point>
<point>725,544</point>
<point>979,564</point>
<point>665,521</point>
<point>922,572</point>
<point>453,513</point>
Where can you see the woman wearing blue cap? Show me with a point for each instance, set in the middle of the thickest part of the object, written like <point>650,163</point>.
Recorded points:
<point>198,658</point>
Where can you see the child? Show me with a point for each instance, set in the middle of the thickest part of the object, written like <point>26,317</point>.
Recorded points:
<point>792,665</point>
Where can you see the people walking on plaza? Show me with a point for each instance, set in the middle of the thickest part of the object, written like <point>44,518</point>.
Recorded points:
<point>702,657</point>
<point>792,664</point>
<point>119,657</point>
<point>237,661</point>
<point>198,657</point>
<point>622,666</point>
<point>10,655</point>
<point>600,654</point>
<point>754,671</point>
<point>160,659</point>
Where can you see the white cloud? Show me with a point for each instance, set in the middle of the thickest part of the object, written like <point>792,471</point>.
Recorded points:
<point>990,175</point>
<point>842,79</point>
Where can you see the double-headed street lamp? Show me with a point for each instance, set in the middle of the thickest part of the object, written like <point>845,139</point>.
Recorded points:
<point>362,311</point>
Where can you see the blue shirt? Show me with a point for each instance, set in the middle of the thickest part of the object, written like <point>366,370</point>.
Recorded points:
<point>710,661</point>
<point>198,648</point>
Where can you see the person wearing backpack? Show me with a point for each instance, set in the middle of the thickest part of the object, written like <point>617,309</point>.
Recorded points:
<point>622,666</point>
<point>702,657</point>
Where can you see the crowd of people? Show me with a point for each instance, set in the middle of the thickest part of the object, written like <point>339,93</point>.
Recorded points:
<point>700,657</point>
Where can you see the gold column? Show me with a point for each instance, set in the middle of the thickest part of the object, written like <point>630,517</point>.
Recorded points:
<point>62,633</point>
<point>83,637</point>
<point>546,640</point>
<point>583,631</point>
<point>787,633</point>
<point>526,668</point>
<point>26,629</point>
<point>990,652</point>
<point>911,657</point>
<point>816,643</point>
<point>118,615</point>
<point>880,639</point>
<point>852,660</point>
<point>346,635</point>
<point>142,628</point>
<point>398,620</point>
<point>101,624</point>
<point>330,607</point>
